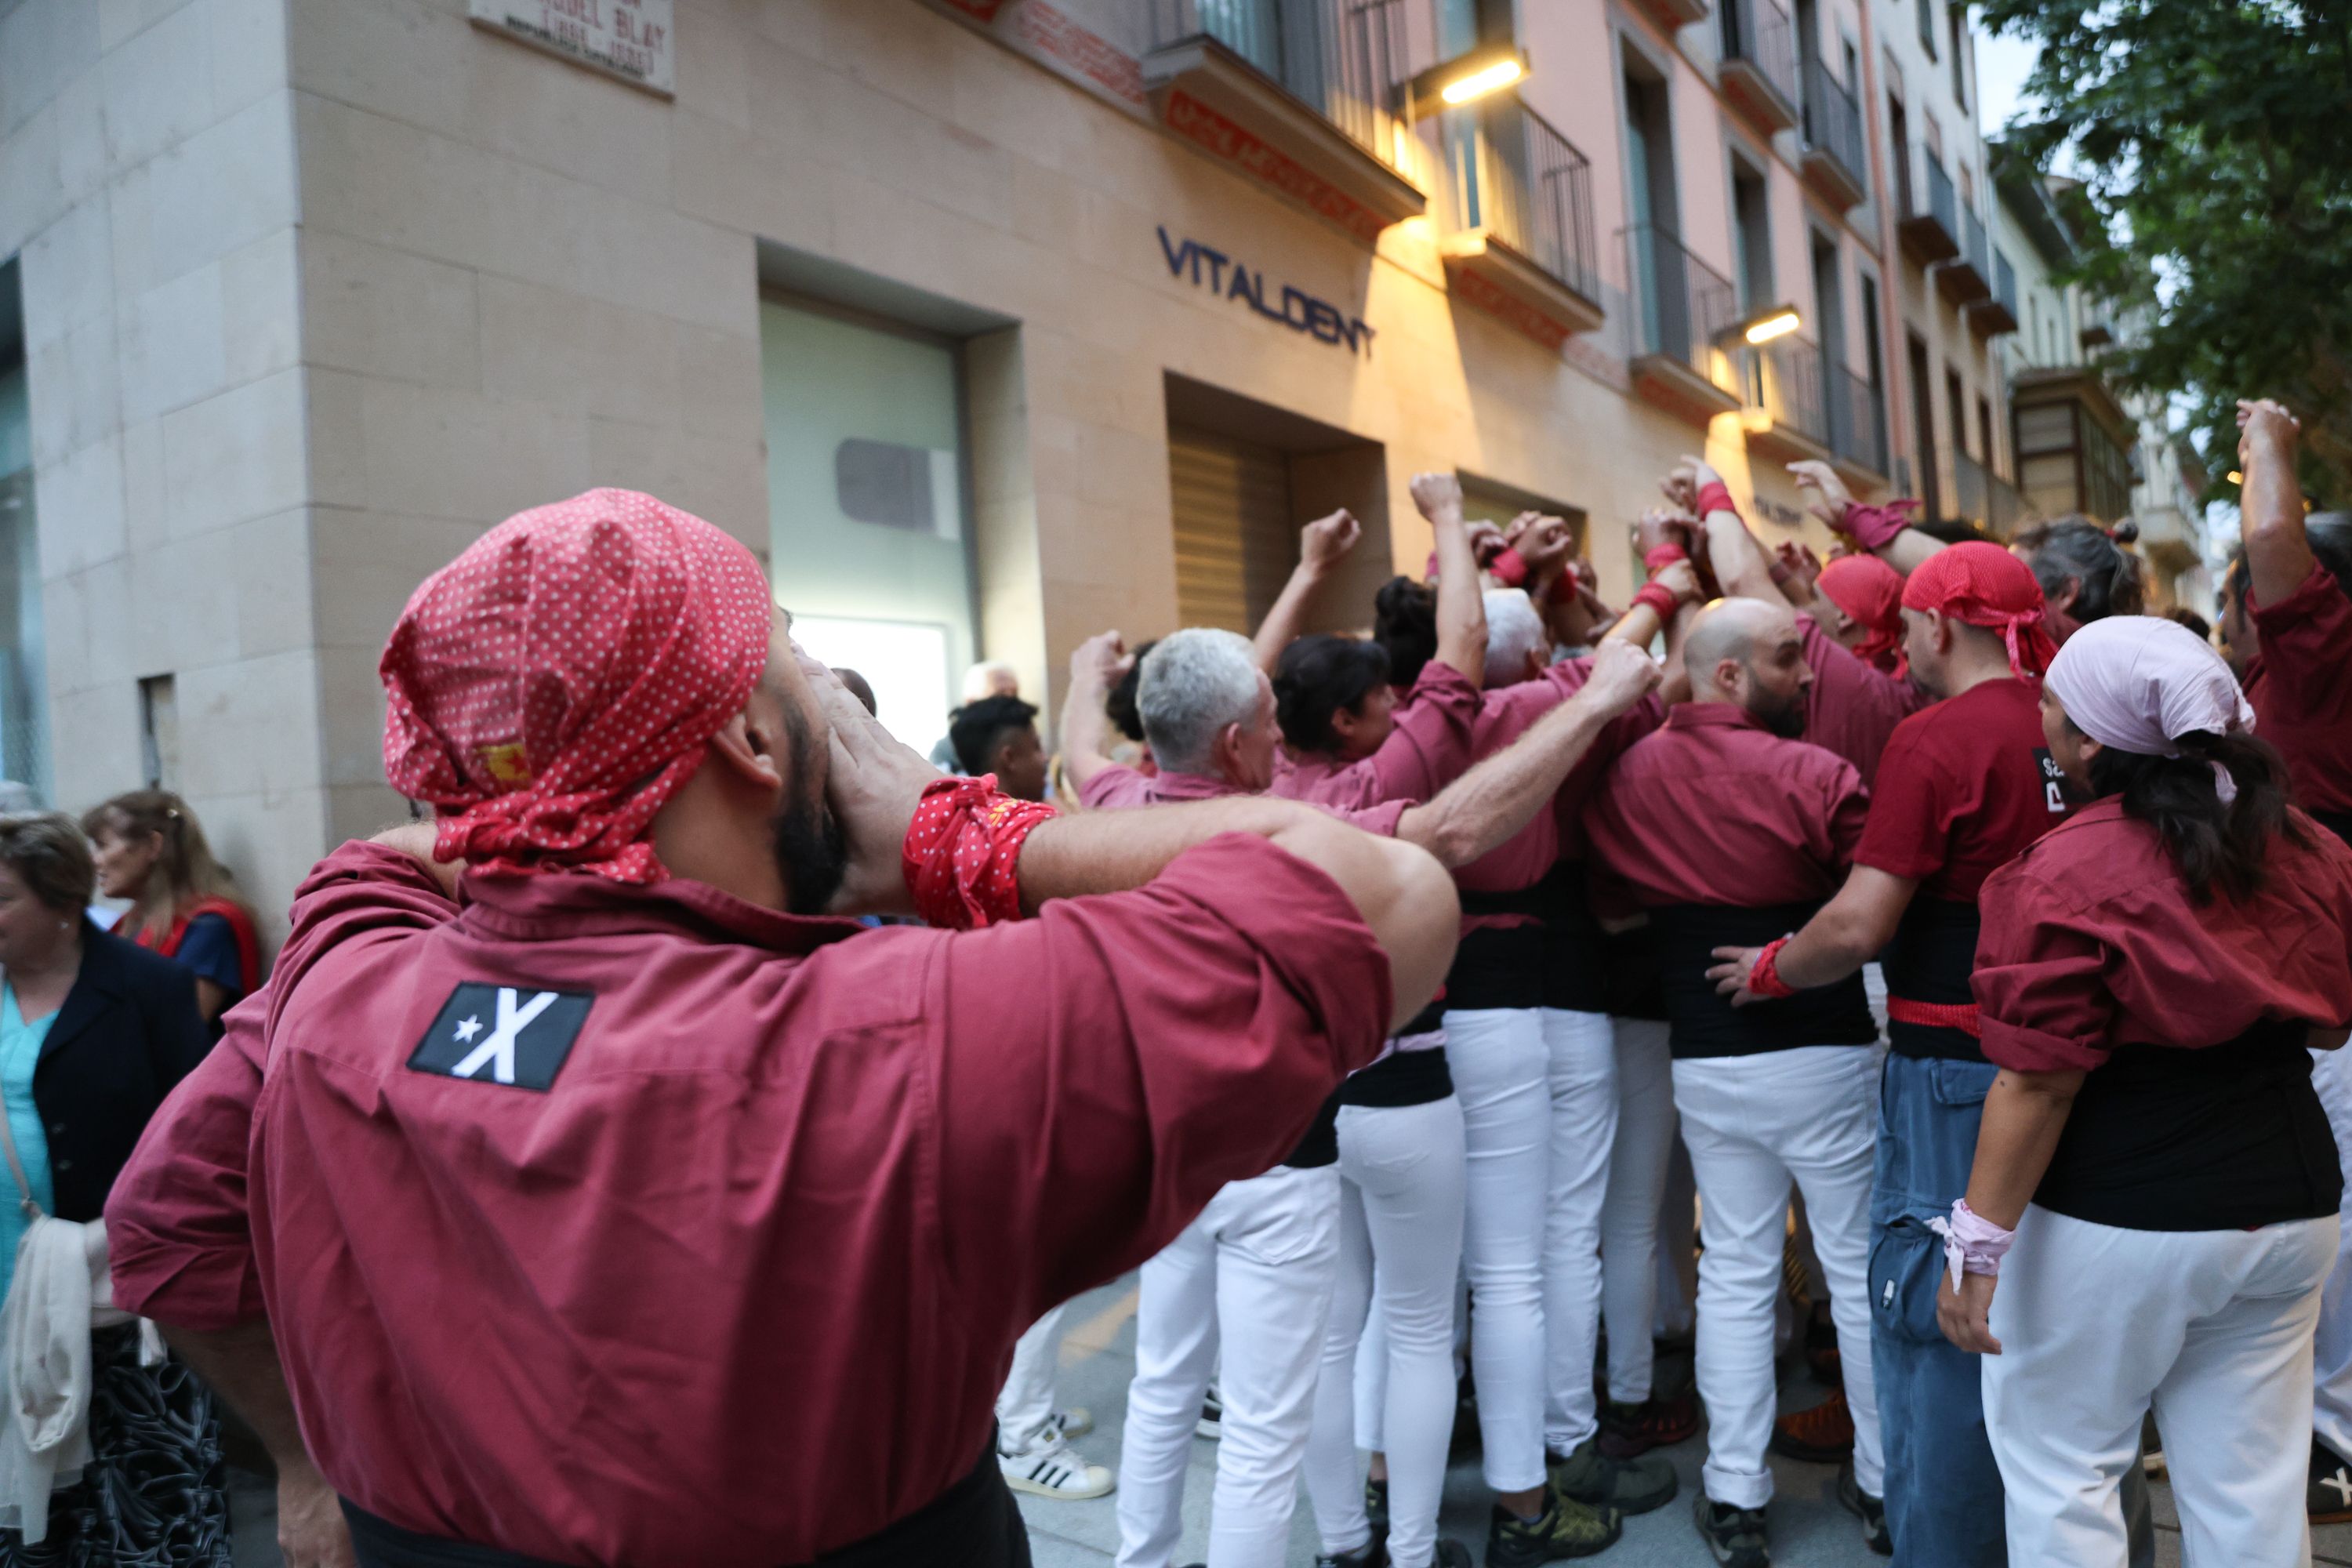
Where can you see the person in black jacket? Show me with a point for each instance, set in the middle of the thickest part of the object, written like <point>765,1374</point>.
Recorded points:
<point>95,1031</point>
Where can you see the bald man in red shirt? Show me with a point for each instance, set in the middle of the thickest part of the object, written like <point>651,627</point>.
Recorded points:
<point>1728,829</point>
<point>613,1200</point>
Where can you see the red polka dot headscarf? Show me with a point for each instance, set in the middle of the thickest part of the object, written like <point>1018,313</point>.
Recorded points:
<point>552,687</point>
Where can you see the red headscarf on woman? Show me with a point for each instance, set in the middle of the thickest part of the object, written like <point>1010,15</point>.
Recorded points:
<point>1985,585</point>
<point>1870,594</point>
<point>552,687</point>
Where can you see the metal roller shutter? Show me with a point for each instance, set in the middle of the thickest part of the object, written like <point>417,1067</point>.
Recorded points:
<point>1235,543</point>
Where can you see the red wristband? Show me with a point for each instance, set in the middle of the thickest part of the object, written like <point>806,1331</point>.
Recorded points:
<point>1659,598</point>
<point>1764,979</point>
<point>1658,557</point>
<point>1874,527</point>
<point>1715,497</point>
<point>1565,588</point>
<point>1509,569</point>
<point>962,853</point>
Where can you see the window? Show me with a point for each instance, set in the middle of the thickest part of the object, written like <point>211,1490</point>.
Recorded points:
<point>867,541</point>
<point>23,665</point>
<point>1960,58</point>
<point>1927,27</point>
<point>1984,434</point>
<point>159,731</point>
<point>1752,236</point>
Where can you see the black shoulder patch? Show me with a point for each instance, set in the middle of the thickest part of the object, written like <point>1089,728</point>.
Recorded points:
<point>502,1034</point>
<point>2053,781</point>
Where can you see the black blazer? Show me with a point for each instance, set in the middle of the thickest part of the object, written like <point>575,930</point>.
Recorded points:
<point>127,1032</point>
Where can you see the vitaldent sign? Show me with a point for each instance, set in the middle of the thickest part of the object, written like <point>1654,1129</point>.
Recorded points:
<point>1208,267</point>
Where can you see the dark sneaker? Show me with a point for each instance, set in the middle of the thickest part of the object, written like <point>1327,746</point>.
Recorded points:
<point>1374,1555</point>
<point>1376,1504</point>
<point>1450,1553</point>
<point>1821,1435</point>
<point>2329,1497</point>
<point>1629,1486</point>
<point>1565,1528</point>
<point>1871,1510</point>
<point>1629,1430</point>
<point>1735,1535</point>
<point>1822,1347</point>
<point>1212,1424</point>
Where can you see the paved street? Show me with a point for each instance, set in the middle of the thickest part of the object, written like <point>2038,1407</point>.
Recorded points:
<point>1810,1530</point>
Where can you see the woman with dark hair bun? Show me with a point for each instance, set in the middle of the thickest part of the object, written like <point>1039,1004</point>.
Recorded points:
<point>2152,977</point>
<point>1404,623</point>
<point>2085,573</point>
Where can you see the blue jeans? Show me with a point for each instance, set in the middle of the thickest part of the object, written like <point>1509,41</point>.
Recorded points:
<point>1944,1501</point>
<point>1943,1491</point>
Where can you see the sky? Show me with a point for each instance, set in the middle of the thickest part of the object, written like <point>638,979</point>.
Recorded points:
<point>2002,66</point>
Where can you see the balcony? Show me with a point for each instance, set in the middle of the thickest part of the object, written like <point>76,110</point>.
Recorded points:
<point>1931,233</point>
<point>1787,415</point>
<point>1759,73</point>
<point>2098,331</point>
<point>1994,316</point>
<point>1985,499</point>
<point>1832,160</point>
<point>1672,15</point>
<point>1857,424</point>
<point>1294,94</point>
<point>1523,246</point>
<point>1681,306</point>
<point>1969,278</point>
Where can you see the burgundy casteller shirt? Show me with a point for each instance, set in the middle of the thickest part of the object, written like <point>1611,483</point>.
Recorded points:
<point>740,1284</point>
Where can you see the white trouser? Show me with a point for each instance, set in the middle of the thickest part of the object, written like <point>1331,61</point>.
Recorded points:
<point>1753,1122</point>
<point>2331,1412</point>
<point>1253,1274</point>
<point>2212,1328</point>
<point>1400,1204</point>
<point>1026,1404</point>
<point>1538,1092</point>
<point>1629,1215</point>
<point>1678,1244</point>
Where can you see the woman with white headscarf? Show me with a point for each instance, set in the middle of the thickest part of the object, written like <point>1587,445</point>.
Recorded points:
<point>2154,1163</point>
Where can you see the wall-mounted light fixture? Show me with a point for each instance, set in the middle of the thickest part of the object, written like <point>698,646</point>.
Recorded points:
<point>1464,79</point>
<point>1762,327</point>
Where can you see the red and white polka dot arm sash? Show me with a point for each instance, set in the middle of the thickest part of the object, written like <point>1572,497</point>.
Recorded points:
<point>962,853</point>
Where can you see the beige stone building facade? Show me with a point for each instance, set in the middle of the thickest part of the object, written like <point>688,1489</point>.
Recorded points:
<point>989,323</point>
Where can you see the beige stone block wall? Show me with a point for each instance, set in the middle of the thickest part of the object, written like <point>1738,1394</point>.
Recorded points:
<point>147,184</point>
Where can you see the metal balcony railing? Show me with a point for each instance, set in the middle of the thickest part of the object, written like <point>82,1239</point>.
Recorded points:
<point>2004,284</point>
<point>1684,304</point>
<point>1985,498</point>
<point>1757,31</point>
<point>1341,58</point>
<point>1784,378</point>
<point>1943,202</point>
<point>1833,120</point>
<point>1527,185</point>
<point>1857,419</point>
<point>1975,249</point>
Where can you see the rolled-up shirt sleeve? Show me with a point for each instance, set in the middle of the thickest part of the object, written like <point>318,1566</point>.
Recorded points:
<point>179,1240</point>
<point>2041,981</point>
<point>1103,1069</point>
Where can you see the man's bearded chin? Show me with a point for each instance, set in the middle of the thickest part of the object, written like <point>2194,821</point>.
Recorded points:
<point>1783,716</point>
<point>812,851</point>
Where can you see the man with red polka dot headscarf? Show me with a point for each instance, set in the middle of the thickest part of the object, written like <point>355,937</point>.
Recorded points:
<point>585,1190</point>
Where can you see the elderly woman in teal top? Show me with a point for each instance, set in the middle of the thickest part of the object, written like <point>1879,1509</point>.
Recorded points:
<point>94,1032</point>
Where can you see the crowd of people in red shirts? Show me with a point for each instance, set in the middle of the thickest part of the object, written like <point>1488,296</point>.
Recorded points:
<point>586,1186</point>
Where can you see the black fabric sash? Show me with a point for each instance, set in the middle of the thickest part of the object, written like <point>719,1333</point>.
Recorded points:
<point>1556,962</point>
<point>1930,960</point>
<point>1706,1024</point>
<point>972,1524</point>
<point>2339,823</point>
<point>2226,1138</point>
<point>1320,1146</point>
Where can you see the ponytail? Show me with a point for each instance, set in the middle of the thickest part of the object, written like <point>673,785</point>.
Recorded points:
<point>2219,847</point>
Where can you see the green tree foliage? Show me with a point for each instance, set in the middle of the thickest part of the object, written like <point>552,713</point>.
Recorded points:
<point>2214,138</point>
